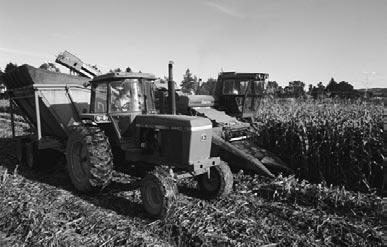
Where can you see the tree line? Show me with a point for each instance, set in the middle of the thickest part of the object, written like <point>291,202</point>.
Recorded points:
<point>295,89</point>
<point>191,84</point>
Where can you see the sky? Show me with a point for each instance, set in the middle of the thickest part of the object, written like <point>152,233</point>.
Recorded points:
<point>307,40</point>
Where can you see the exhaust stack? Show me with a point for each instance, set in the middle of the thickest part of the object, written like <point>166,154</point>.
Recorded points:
<point>171,89</point>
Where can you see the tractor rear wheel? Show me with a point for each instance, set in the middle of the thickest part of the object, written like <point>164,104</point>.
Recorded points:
<point>158,193</point>
<point>219,184</point>
<point>89,158</point>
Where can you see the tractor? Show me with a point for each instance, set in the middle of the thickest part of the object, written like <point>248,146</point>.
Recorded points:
<point>117,125</point>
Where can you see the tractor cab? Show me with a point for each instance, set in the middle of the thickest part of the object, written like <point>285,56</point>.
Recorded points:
<point>119,98</point>
<point>238,94</point>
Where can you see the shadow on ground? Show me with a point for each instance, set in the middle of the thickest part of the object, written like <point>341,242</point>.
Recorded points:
<point>121,196</point>
<point>118,196</point>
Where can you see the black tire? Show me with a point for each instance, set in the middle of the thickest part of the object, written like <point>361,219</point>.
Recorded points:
<point>158,193</point>
<point>20,154</point>
<point>31,155</point>
<point>89,158</point>
<point>219,184</point>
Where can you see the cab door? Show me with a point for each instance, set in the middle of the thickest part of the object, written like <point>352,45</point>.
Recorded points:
<point>126,102</point>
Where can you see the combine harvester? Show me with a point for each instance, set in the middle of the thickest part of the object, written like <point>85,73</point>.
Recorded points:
<point>237,96</point>
<point>114,118</point>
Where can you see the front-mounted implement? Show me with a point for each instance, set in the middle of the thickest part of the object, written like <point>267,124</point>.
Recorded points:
<point>237,96</point>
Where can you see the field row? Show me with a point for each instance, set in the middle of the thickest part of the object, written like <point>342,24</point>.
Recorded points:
<point>336,143</point>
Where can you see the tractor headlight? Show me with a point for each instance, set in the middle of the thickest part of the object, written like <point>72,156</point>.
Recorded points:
<point>101,118</point>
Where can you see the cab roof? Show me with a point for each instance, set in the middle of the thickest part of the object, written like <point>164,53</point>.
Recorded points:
<point>112,76</point>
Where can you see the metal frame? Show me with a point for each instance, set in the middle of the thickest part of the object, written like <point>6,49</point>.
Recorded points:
<point>37,116</point>
<point>38,137</point>
<point>43,142</point>
<point>12,109</point>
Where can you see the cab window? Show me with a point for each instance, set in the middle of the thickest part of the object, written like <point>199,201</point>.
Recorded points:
<point>259,87</point>
<point>232,87</point>
<point>228,87</point>
<point>100,98</point>
<point>126,96</point>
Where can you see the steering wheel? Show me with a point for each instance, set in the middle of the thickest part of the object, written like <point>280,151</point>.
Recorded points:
<point>126,106</point>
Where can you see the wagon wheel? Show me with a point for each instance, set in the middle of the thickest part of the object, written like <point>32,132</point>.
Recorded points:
<point>28,155</point>
<point>31,155</point>
<point>20,152</point>
<point>219,184</point>
<point>89,158</point>
<point>158,193</point>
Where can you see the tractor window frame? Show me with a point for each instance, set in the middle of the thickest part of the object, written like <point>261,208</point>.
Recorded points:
<point>100,106</point>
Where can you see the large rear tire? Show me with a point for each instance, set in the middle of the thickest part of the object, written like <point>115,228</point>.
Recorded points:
<point>89,158</point>
<point>158,193</point>
<point>219,184</point>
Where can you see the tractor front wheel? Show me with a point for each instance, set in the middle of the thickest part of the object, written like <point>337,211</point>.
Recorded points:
<point>158,193</point>
<point>218,184</point>
<point>89,158</point>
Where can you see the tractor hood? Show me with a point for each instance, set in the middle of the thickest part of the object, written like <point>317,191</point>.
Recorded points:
<point>182,140</point>
<point>173,122</point>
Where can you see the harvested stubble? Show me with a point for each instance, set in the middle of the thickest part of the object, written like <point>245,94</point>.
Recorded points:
<point>4,105</point>
<point>339,143</point>
<point>284,211</point>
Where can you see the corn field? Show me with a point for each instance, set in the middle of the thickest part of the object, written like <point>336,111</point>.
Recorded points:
<point>41,208</point>
<point>326,141</point>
